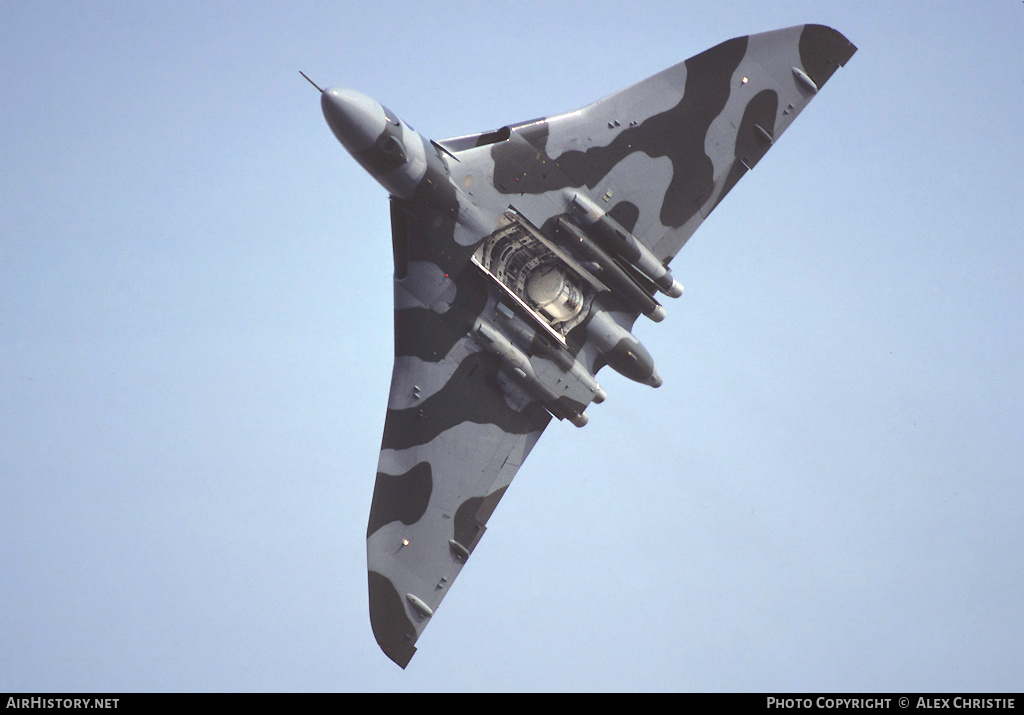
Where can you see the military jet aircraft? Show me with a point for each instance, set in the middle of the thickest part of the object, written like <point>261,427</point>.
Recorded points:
<point>523,256</point>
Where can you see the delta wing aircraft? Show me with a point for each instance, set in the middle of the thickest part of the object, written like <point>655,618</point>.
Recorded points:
<point>523,256</point>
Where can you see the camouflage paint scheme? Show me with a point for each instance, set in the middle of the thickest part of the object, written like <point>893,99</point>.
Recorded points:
<point>523,256</point>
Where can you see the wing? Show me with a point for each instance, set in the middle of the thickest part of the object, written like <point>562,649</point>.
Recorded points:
<point>450,450</point>
<point>457,430</point>
<point>661,155</point>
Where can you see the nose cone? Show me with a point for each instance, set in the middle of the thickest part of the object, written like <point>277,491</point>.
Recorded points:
<point>356,120</point>
<point>655,379</point>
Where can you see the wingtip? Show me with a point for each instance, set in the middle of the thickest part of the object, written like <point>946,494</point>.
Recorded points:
<point>822,51</point>
<point>392,629</point>
<point>400,655</point>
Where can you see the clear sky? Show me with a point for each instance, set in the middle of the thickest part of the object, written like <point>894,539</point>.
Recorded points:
<point>196,341</point>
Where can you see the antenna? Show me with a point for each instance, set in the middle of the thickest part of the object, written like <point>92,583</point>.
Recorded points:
<point>311,81</point>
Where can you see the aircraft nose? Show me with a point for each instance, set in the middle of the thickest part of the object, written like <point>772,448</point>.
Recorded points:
<point>356,120</point>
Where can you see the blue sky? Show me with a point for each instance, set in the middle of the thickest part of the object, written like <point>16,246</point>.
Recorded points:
<point>195,352</point>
